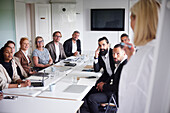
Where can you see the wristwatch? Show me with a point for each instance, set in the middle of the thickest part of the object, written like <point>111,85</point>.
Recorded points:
<point>19,85</point>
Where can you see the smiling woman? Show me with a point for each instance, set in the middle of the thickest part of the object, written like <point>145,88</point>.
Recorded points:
<point>41,56</point>
<point>23,56</point>
<point>8,72</point>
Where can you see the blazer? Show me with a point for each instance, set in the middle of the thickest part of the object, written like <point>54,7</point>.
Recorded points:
<point>17,61</point>
<point>5,79</point>
<point>101,64</point>
<point>51,48</point>
<point>23,61</point>
<point>112,84</point>
<point>68,47</point>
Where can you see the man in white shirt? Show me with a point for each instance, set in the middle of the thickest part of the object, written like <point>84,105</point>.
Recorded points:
<point>72,46</point>
<point>55,48</point>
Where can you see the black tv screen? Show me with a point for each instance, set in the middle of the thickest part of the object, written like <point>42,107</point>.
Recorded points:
<point>107,19</point>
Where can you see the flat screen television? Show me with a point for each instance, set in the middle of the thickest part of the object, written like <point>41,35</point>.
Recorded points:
<point>107,19</point>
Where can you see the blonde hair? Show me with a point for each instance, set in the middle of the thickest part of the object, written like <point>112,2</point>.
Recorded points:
<point>38,37</point>
<point>145,13</point>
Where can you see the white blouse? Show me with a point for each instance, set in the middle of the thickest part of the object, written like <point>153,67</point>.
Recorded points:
<point>135,80</point>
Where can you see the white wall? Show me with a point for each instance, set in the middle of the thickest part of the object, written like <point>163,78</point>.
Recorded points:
<point>90,38</point>
<point>20,22</point>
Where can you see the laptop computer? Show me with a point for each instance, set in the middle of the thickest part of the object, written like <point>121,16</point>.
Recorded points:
<point>39,83</point>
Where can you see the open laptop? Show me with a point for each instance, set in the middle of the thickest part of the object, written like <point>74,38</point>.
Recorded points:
<point>39,83</point>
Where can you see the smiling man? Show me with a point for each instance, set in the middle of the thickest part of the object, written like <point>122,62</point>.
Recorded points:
<point>72,46</point>
<point>55,48</point>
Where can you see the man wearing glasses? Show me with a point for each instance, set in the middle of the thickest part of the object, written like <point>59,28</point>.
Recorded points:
<point>72,46</point>
<point>56,48</point>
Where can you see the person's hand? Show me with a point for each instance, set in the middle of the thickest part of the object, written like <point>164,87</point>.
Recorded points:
<point>1,95</point>
<point>129,51</point>
<point>50,62</point>
<point>100,86</point>
<point>26,83</point>
<point>97,52</point>
<point>76,53</point>
<point>32,72</point>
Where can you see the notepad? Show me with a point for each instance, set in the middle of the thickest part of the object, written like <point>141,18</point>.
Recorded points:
<point>75,88</point>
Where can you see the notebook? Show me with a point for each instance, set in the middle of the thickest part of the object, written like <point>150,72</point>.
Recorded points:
<point>75,88</point>
<point>41,74</point>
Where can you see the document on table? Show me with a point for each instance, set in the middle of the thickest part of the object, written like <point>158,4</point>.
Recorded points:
<point>85,81</point>
<point>37,78</point>
<point>75,88</point>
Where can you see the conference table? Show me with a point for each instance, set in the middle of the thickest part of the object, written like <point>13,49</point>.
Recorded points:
<point>24,104</point>
<point>69,84</point>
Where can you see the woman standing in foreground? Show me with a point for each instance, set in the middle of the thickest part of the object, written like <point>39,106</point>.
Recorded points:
<point>135,77</point>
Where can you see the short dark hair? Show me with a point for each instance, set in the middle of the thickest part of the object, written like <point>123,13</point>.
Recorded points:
<point>103,38</point>
<point>118,45</point>
<point>124,34</point>
<point>56,32</point>
<point>9,42</point>
<point>76,32</point>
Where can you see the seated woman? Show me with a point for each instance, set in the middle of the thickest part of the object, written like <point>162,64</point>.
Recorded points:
<point>21,72</point>
<point>8,73</point>
<point>41,55</point>
<point>23,56</point>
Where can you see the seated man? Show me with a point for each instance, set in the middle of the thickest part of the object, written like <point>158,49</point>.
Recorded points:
<point>109,87</point>
<point>72,46</point>
<point>55,48</point>
<point>104,59</point>
<point>124,38</point>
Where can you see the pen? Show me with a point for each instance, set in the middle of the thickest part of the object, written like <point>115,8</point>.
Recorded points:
<point>123,44</point>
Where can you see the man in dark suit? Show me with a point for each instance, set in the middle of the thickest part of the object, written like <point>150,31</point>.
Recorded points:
<point>110,86</point>
<point>55,48</point>
<point>72,46</point>
<point>103,59</point>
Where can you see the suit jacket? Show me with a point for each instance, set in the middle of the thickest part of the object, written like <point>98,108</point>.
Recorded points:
<point>24,74</point>
<point>112,84</point>
<point>51,48</point>
<point>68,47</point>
<point>24,61</point>
<point>101,64</point>
<point>5,79</point>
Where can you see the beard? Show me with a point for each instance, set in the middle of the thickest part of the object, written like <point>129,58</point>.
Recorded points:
<point>103,52</point>
<point>117,62</point>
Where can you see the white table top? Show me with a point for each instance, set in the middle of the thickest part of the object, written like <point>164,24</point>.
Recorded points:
<point>65,82</point>
<point>38,105</point>
<point>33,91</point>
<point>62,82</point>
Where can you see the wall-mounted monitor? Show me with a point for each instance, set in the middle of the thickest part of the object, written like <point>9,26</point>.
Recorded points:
<point>107,19</point>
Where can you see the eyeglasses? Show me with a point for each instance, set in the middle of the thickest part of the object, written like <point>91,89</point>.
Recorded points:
<point>40,41</point>
<point>57,36</point>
